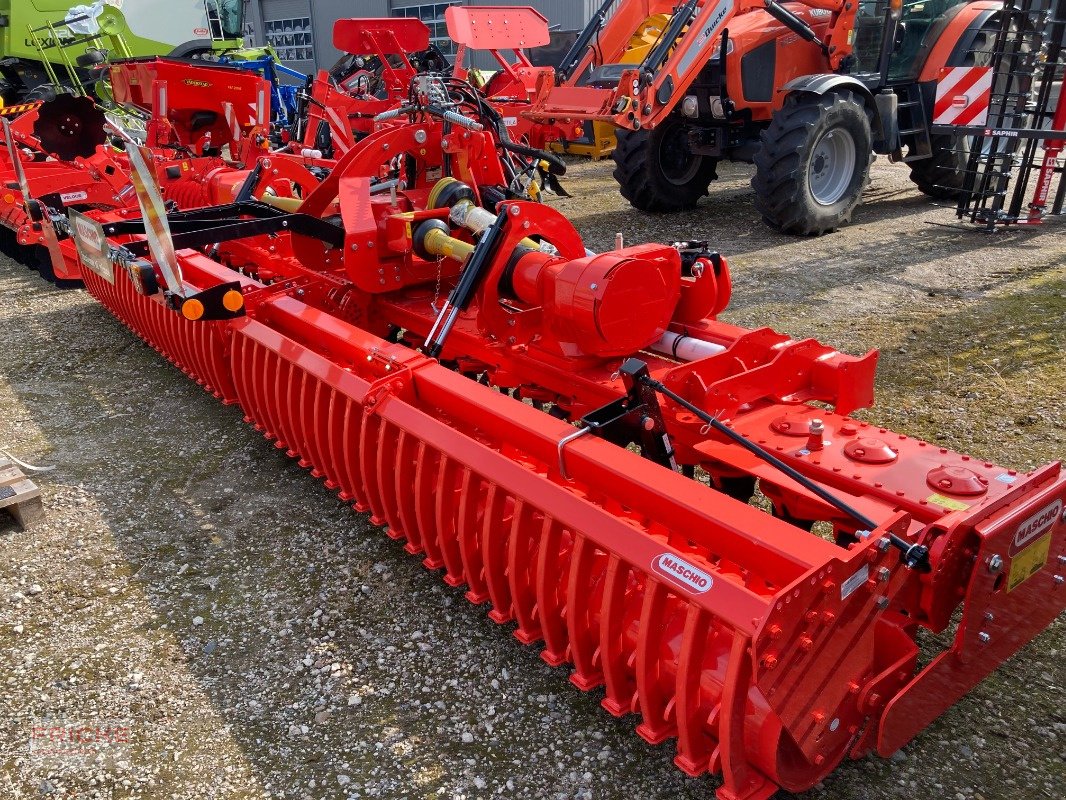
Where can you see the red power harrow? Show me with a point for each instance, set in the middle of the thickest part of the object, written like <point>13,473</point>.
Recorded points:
<point>457,364</point>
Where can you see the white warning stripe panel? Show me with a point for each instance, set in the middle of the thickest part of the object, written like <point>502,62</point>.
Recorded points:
<point>339,130</point>
<point>232,122</point>
<point>963,95</point>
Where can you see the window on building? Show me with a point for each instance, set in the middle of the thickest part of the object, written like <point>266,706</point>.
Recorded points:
<point>433,15</point>
<point>291,38</point>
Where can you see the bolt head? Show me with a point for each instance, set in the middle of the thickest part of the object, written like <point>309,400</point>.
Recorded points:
<point>883,544</point>
<point>882,602</point>
<point>883,574</point>
<point>995,563</point>
<point>984,637</point>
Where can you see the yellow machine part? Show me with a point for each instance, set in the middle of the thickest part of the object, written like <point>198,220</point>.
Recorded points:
<point>599,140</point>
<point>645,38</point>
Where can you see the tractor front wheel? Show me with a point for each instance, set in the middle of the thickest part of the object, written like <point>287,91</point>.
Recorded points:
<point>656,170</point>
<point>814,163</point>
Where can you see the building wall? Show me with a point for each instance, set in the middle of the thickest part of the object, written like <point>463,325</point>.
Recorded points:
<point>289,26</point>
<point>563,14</point>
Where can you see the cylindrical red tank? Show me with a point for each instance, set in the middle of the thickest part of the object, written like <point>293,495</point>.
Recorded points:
<point>607,304</point>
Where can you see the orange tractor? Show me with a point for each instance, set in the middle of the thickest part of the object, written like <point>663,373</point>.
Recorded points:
<point>806,91</point>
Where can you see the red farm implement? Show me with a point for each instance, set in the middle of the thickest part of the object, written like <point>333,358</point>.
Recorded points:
<point>200,122</point>
<point>385,56</point>
<point>382,58</point>
<point>454,362</point>
<point>506,33</point>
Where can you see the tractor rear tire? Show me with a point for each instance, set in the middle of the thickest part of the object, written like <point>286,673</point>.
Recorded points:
<point>942,174</point>
<point>655,170</point>
<point>814,163</point>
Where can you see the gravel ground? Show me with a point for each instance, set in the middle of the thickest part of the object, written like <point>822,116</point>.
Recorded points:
<point>248,636</point>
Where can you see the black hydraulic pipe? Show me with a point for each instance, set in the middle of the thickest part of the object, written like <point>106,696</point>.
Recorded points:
<point>469,281</point>
<point>556,166</point>
<point>915,556</point>
<point>794,23</point>
<point>658,55</point>
<point>577,50</point>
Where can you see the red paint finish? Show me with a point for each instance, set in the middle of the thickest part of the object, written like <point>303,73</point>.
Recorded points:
<point>768,653</point>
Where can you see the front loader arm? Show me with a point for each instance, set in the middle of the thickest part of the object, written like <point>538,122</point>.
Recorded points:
<point>604,42</point>
<point>840,37</point>
<point>649,91</point>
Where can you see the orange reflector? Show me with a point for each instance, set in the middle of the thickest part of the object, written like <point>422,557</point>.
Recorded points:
<point>192,309</point>
<point>232,300</point>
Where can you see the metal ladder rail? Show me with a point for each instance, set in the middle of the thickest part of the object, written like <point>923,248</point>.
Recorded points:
<point>992,158</point>
<point>1054,28</point>
<point>980,170</point>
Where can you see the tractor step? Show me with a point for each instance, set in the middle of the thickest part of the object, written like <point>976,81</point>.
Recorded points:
<point>914,124</point>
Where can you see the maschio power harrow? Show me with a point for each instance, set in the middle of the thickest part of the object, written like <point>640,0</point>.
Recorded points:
<point>574,436</point>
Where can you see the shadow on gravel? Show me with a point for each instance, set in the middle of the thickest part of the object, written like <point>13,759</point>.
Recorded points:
<point>326,649</point>
<point>327,652</point>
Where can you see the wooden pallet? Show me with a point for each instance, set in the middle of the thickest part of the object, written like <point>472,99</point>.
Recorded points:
<point>19,496</point>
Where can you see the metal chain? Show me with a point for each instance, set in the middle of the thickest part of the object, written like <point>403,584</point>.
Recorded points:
<point>436,290</point>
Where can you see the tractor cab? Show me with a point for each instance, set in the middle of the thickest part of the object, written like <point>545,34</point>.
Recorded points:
<point>906,42</point>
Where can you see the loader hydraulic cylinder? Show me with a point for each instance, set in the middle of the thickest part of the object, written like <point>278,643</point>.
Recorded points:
<point>794,23</point>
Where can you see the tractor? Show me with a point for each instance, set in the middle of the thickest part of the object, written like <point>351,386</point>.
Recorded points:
<point>807,91</point>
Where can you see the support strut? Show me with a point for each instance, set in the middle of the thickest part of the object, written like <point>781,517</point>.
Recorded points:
<point>915,556</point>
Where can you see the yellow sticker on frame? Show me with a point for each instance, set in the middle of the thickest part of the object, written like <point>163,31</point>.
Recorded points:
<point>1028,562</point>
<point>949,503</point>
